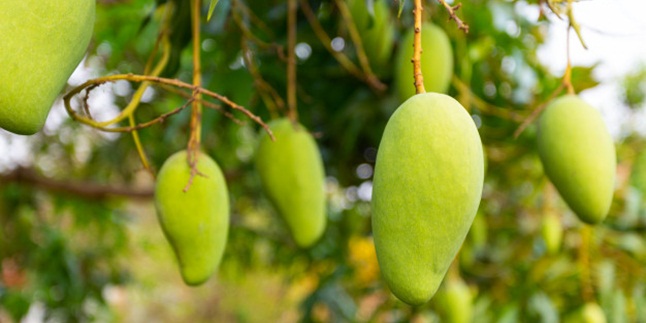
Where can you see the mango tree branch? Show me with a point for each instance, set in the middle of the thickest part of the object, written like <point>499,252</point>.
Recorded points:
<point>291,61</point>
<point>86,190</point>
<point>417,49</point>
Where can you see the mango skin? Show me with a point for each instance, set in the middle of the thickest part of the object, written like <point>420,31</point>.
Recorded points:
<point>42,43</point>
<point>196,222</point>
<point>578,156</point>
<point>292,175</point>
<point>377,36</point>
<point>437,62</point>
<point>427,187</point>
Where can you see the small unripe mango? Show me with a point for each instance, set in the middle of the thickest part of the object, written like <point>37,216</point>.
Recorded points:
<point>591,312</point>
<point>427,187</point>
<point>578,156</point>
<point>436,60</point>
<point>552,232</point>
<point>195,222</point>
<point>42,42</point>
<point>292,176</point>
<point>455,302</point>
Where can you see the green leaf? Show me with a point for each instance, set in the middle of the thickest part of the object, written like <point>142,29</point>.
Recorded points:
<point>582,77</point>
<point>211,9</point>
<point>401,8</point>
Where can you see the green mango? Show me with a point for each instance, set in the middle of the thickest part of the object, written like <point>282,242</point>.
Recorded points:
<point>591,312</point>
<point>578,156</point>
<point>552,232</point>
<point>638,173</point>
<point>455,302</point>
<point>377,33</point>
<point>195,222</point>
<point>42,43</point>
<point>437,62</point>
<point>478,232</point>
<point>292,176</point>
<point>427,187</point>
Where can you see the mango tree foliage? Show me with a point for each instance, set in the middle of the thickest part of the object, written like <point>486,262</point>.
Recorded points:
<point>79,238</point>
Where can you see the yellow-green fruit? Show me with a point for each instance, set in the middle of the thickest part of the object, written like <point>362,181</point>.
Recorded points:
<point>195,222</point>
<point>638,173</point>
<point>377,32</point>
<point>478,231</point>
<point>437,62</point>
<point>590,313</point>
<point>454,301</point>
<point>427,187</point>
<point>292,176</point>
<point>552,232</point>
<point>578,156</point>
<point>41,43</point>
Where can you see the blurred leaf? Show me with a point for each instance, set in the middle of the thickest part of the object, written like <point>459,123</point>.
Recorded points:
<point>583,78</point>
<point>211,9</point>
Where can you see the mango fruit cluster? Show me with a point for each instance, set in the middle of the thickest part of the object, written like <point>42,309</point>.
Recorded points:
<point>42,43</point>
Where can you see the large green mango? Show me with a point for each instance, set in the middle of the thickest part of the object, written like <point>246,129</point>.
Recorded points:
<point>195,222</point>
<point>437,62</point>
<point>578,156</point>
<point>377,33</point>
<point>292,176</point>
<point>426,191</point>
<point>41,43</point>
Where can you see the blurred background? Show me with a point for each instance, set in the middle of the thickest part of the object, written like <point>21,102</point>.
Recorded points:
<point>79,238</point>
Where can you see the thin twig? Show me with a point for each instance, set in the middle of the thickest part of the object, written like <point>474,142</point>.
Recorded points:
<point>574,24</point>
<point>157,80</point>
<point>356,39</point>
<point>483,105</point>
<point>205,103</point>
<point>345,62</point>
<point>417,49</point>
<point>567,77</point>
<point>537,111</point>
<point>452,16</point>
<point>196,108</point>
<point>292,110</point>
<point>269,95</point>
<point>237,7</point>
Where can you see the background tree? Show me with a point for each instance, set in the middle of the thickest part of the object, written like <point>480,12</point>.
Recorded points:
<point>79,238</point>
